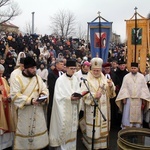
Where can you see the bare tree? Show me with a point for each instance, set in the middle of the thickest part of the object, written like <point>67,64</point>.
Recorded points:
<point>81,33</point>
<point>63,22</point>
<point>8,10</point>
<point>28,28</point>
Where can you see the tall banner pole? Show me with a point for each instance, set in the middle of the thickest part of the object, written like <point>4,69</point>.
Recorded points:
<point>87,34</point>
<point>99,27</point>
<point>135,35</point>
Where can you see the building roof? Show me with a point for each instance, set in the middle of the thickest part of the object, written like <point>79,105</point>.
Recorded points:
<point>9,25</point>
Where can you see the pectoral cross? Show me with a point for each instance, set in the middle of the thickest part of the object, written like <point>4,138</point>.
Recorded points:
<point>103,88</point>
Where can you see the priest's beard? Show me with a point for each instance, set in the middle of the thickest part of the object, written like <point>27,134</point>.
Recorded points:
<point>134,73</point>
<point>30,74</point>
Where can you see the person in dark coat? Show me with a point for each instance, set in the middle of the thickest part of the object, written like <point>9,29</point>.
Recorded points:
<point>36,51</point>
<point>9,64</point>
<point>13,43</point>
<point>109,73</point>
<point>52,77</point>
<point>2,48</point>
<point>120,72</point>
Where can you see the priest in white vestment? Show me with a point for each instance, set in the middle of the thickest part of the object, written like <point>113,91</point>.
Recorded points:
<point>102,90</point>
<point>64,118</point>
<point>27,87</point>
<point>133,98</point>
<point>147,113</point>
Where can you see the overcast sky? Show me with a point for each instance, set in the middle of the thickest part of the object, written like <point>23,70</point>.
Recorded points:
<point>115,11</point>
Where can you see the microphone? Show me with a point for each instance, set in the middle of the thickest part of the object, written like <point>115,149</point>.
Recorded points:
<point>83,79</point>
<point>108,76</point>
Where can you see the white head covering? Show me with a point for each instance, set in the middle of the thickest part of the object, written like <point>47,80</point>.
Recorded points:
<point>96,62</point>
<point>20,55</point>
<point>2,67</point>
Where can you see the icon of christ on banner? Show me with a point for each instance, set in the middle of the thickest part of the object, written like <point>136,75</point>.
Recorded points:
<point>100,42</point>
<point>138,36</point>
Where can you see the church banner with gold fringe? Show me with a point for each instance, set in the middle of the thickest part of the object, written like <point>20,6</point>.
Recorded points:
<point>142,41</point>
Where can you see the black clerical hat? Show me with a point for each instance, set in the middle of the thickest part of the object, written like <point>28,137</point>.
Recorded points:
<point>29,62</point>
<point>134,64</point>
<point>121,62</point>
<point>70,63</point>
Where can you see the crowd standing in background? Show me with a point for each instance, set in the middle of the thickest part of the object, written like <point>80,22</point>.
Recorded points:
<point>34,66</point>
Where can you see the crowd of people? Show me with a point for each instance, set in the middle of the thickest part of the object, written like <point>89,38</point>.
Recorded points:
<point>51,87</point>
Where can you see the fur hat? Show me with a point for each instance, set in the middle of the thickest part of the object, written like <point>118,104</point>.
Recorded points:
<point>96,62</point>
<point>29,62</point>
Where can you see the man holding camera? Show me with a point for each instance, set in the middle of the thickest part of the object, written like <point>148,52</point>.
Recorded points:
<point>26,91</point>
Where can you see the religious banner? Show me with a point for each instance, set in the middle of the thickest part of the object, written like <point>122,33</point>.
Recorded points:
<point>139,48</point>
<point>100,33</point>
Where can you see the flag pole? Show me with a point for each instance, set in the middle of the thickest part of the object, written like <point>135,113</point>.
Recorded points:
<point>135,35</point>
<point>99,27</point>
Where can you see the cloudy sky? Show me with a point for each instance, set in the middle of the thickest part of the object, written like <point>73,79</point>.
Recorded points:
<point>115,11</point>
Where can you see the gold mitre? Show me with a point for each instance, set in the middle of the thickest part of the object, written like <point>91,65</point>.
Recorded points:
<point>96,62</point>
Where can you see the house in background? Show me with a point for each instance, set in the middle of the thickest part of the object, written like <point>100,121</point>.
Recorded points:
<point>9,27</point>
<point>115,38</point>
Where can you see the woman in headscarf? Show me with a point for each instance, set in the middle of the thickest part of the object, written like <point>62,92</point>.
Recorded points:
<point>45,52</point>
<point>20,55</point>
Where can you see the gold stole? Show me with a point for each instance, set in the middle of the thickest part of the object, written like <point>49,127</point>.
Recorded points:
<point>6,120</point>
